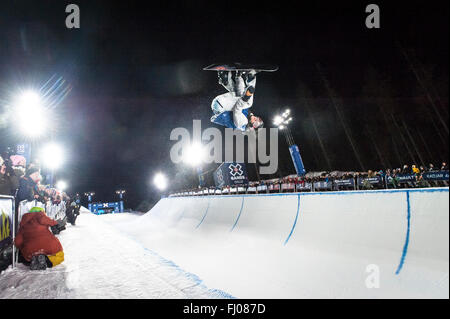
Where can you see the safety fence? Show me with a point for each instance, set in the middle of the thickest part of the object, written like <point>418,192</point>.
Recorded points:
<point>54,211</point>
<point>293,183</point>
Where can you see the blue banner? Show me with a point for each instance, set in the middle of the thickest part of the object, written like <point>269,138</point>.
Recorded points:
<point>297,159</point>
<point>436,176</point>
<point>105,208</point>
<point>428,176</point>
<point>345,182</point>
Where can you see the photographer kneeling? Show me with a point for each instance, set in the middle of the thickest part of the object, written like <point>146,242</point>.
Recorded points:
<point>37,245</point>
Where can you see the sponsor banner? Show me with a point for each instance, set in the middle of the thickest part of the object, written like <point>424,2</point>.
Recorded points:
<point>322,185</point>
<point>371,180</point>
<point>6,221</point>
<point>230,174</point>
<point>345,182</point>
<point>304,186</point>
<point>105,208</point>
<point>436,176</point>
<point>402,178</point>
<point>273,187</point>
<point>287,186</point>
<point>261,188</point>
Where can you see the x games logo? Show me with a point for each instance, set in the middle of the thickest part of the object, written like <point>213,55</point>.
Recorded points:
<point>236,170</point>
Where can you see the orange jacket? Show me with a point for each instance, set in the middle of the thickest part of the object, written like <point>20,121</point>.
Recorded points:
<point>34,236</point>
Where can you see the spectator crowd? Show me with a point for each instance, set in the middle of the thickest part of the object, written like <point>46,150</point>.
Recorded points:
<point>35,237</point>
<point>406,177</point>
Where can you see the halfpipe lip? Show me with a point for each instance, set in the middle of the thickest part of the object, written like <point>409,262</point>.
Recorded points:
<point>351,192</point>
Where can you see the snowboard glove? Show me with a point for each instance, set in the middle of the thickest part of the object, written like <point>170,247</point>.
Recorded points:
<point>55,230</point>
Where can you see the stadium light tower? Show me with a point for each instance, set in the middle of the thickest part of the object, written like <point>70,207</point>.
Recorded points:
<point>120,192</point>
<point>282,122</point>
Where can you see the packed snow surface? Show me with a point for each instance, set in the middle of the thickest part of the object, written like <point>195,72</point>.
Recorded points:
<point>103,262</point>
<point>357,244</point>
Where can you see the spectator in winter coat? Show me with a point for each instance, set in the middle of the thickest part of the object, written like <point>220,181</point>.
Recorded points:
<point>444,166</point>
<point>415,170</point>
<point>36,243</point>
<point>28,185</point>
<point>9,182</point>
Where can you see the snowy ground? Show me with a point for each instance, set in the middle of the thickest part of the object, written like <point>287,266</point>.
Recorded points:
<point>103,262</point>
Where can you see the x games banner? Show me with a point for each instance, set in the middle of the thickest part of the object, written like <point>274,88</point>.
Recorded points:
<point>230,174</point>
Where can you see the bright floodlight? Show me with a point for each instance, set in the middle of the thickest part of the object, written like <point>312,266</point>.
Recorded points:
<point>194,154</point>
<point>160,181</point>
<point>61,185</point>
<point>52,156</point>
<point>30,114</point>
<point>281,121</point>
<point>278,120</point>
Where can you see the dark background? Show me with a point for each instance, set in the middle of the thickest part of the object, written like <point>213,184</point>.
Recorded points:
<point>134,70</point>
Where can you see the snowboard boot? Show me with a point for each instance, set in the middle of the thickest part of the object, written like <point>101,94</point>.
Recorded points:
<point>248,93</point>
<point>38,262</point>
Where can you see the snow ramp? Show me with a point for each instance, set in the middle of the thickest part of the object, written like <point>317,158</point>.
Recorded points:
<point>355,244</point>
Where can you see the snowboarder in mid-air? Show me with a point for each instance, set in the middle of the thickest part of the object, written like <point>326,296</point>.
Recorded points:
<point>232,109</point>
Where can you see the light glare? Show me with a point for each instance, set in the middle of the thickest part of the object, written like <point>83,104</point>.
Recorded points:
<point>194,155</point>
<point>52,156</point>
<point>61,185</point>
<point>30,114</point>
<point>160,181</point>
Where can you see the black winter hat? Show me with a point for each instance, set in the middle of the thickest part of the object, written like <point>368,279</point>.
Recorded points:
<point>31,170</point>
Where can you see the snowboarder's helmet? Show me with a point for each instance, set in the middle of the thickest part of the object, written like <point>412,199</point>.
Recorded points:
<point>255,122</point>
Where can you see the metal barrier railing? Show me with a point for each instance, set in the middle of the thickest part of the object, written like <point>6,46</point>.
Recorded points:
<point>428,179</point>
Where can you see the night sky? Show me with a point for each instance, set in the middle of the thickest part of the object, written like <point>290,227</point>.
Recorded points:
<point>135,73</point>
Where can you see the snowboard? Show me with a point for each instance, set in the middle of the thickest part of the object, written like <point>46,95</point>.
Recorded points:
<point>241,67</point>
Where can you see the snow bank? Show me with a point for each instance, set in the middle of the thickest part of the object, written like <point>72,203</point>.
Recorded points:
<point>358,244</point>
